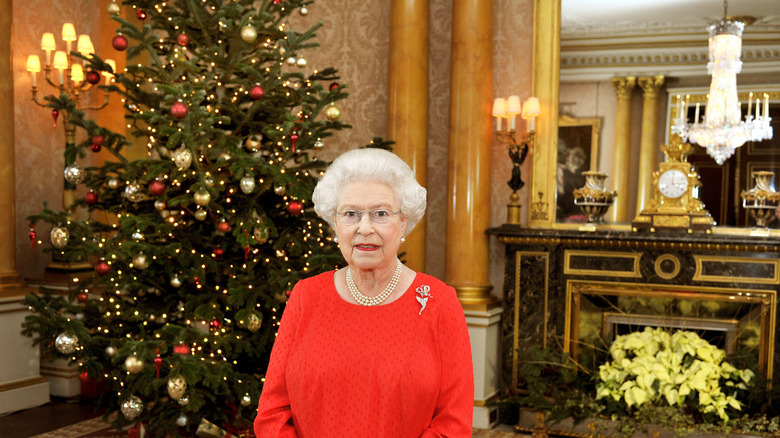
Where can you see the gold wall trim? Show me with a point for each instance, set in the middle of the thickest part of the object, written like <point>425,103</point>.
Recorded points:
<point>485,403</point>
<point>700,261</point>
<point>663,274</point>
<point>516,321</point>
<point>22,383</point>
<point>633,256</point>
<point>639,244</point>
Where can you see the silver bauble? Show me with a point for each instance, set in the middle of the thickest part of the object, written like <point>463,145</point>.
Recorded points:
<point>111,351</point>
<point>181,420</point>
<point>165,214</point>
<point>59,237</point>
<point>175,281</point>
<point>134,192</point>
<point>246,400</point>
<point>291,61</point>
<point>301,62</point>
<point>200,214</point>
<point>132,408</point>
<point>253,322</point>
<point>79,316</point>
<point>134,365</point>
<point>333,112</point>
<point>74,174</point>
<point>303,11</point>
<point>261,234</point>
<point>137,235</point>
<point>182,157</point>
<point>247,184</point>
<point>159,205</point>
<point>248,33</point>
<point>113,183</point>
<point>202,197</point>
<point>318,144</point>
<point>209,181</point>
<point>177,386</point>
<point>113,8</point>
<point>224,157</point>
<point>184,401</point>
<point>141,261</point>
<point>280,190</point>
<point>253,142</point>
<point>66,343</point>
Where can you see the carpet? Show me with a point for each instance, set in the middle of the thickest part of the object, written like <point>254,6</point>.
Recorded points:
<point>97,428</point>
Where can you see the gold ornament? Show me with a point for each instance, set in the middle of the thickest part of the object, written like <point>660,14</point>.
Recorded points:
<point>113,183</point>
<point>248,34</point>
<point>59,237</point>
<point>247,184</point>
<point>140,261</point>
<point>132,408</point>
<point>253,142</point>
<point>333,112</point>
<point>159,205</point>
<point>200,214</point>
<point>260,234</point>
<point>182,157</point>
<point>134,192</point>
<point>113,8</point>
<point>301,62</point>
<point>253,322</point>
<point>291,61</point>
<point>202,197</point>
<point>74,174</point>
<point>177,386</point>
<point>246,400</point>
<point>66,343</point>
<point>133,365</point>
<point>175,281</point>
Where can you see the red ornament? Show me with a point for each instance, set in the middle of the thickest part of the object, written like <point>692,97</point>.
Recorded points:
<point>84,377</point>
<point>93,77</point>
<point>157,365</point>
<point>181,349</point>
<point>119,43</point>
<point>276,2</point>
<point>223,227</point>
<point>96,147</point>
<point>141,14</point>
<point>97,143</point>
<point>246,254</point>
<point>102,268</point>
<point>91,198</point>
<point>295,208</point>
<point>333,86</point>
<point>294,138</point>
<point>183,39</point>
<point>288,293</point>
<point>179,109</point>
<point>31,234</point>
<point>214,324</point>
<point>82,297</point>
<point>54,114</point>
<point>218,252</point>
<point>156,187</point>
<point>257,92</point>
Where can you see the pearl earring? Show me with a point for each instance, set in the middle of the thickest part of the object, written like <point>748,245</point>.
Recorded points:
<point>403,239</point>
<point>335,240</point>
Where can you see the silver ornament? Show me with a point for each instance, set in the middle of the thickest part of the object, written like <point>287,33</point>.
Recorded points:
<point>291,61</point>
<point>175,281</point>
<point>141,261</point>
<point>111,351</point>
<point>66,343</point>
<point>177,386</point>
<point>318,144</point>
<point>134,192</point>
<point>184,401</point>
<point>247,184</point>
<point>132,408</point>
<point>253,142</point>
<point>79,316</point>
<point>303,11</point>
<point>200,214</point>
<point>209,181</point>
<point>301,62</point>
<point>248,33</point>
<point>113,8</point>
<point>133,365</point>
<point>165,213</point>
<point>137,235</point>
<point>202,197</point>
<point>246,400</point>
<point>260,234</point>
<point>280,190</point>
<point>182,157</point>
<point>181,420</point>
<point>253,322</point>
<point>159,205</point>
<point>113,183</point>
<point>224,157</point>
<point>59,237</point>
<point>74,174</point>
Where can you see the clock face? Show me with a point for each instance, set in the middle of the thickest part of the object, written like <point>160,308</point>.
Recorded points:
<point>673,183</point>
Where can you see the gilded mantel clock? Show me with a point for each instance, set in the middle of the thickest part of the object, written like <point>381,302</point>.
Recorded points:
<point>674,204</point>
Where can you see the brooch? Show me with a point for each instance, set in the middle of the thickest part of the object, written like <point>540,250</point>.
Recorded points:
<point>425,293</point>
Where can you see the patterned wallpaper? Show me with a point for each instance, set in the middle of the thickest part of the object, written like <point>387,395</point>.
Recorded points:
<point>355,39</point>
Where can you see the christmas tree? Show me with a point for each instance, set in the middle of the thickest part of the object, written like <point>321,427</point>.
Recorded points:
<point>205,237</point>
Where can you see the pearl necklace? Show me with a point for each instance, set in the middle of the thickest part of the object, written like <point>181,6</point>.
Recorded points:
<point>373,301</point>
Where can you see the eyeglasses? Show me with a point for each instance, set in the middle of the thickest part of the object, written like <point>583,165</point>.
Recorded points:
<point>351,217</point>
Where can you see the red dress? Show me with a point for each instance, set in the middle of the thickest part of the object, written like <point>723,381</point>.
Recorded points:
<point>342,370</point>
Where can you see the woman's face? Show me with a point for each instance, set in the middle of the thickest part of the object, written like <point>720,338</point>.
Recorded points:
<point>367,244</point>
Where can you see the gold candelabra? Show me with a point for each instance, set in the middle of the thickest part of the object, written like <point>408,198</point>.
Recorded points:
<point>509,109</point>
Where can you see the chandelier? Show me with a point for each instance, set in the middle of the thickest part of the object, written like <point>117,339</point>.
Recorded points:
<point>723,129</point>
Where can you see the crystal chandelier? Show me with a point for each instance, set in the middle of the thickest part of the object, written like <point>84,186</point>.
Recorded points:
<point>723,130</point>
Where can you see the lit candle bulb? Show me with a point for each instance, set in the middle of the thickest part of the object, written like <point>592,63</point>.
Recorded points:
<point>34,66</point>
<point>750,103</point>
<point>77,74</point>
<point>108,75</point>
<point>68,35</point>
<point>48,45</point>
<point>758,109</point>
<point>60,63</point>
<point>696,117</point>
<point>499,111</point>
<point>766,105</point>
<point>512,110</point>
<point>531,110</point>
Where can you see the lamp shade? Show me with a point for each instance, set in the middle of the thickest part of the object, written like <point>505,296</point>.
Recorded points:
<point>84,45</point>
<point>513,105</point>
<point>60,60</point>
<point>47,42</point>
<point>68,32</point>
<point>112,63</point>
<point>499,107</point>
<point>77,73</point>
<point>531,108</point>
<point>33,63</point>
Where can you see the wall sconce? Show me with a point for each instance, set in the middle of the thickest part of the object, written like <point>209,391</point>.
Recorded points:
<point>509,109</point>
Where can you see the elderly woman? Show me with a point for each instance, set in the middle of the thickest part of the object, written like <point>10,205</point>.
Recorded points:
<point>374,349</point>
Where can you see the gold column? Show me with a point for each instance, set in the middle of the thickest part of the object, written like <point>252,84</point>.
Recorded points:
<point>621,154</point>
<point>407,115</point>
<point>546,63</point>
<point>648,146</point>
<point>10,283</point>
<point>468,181</point>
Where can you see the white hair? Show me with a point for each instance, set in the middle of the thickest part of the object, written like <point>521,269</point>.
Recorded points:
<point>370,164</point>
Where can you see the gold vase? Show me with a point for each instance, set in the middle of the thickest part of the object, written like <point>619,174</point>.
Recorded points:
<point>762,200</point>
<point>594,199</point>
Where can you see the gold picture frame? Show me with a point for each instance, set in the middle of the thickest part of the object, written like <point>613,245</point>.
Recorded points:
<point>578,151</point>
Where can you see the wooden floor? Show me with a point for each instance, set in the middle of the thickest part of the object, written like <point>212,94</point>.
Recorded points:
<point>57,413</point>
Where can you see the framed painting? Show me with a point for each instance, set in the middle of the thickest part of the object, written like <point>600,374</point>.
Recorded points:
<point>578,146</point>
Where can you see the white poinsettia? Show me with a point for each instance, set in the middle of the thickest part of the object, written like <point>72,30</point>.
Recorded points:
<point>655,366</point>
